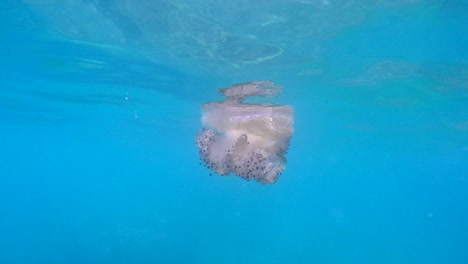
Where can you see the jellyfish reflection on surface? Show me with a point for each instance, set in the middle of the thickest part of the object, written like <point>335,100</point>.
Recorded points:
<point>248,140</point>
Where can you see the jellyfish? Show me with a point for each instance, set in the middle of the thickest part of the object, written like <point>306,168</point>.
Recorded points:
<point>248,140</point>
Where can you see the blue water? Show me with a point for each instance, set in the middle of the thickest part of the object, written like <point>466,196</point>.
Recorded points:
<point>100,103</point>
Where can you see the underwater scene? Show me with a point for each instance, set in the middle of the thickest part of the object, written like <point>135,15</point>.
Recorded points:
<point>238,132</point>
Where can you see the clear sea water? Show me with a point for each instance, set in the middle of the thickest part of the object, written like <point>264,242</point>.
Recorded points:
<point>100,102</point>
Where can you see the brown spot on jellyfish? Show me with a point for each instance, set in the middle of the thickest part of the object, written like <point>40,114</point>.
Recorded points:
<point>248,140</point>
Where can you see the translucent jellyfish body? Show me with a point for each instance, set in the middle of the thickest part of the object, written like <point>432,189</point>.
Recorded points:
<point>248,140</point>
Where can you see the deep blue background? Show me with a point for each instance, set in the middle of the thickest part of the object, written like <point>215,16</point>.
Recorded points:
<point>98,162</point>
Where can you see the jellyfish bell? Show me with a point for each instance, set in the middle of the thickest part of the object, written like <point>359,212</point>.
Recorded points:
<point>248,140</point>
